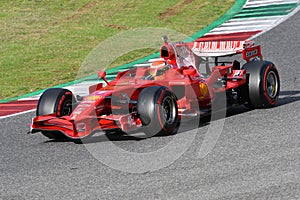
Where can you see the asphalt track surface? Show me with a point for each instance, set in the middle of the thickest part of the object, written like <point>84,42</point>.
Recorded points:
<point>256,156</point>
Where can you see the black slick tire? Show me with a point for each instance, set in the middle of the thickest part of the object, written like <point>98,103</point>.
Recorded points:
<point>58,101</point>
<point>158,111</point>
<point>263,84</point>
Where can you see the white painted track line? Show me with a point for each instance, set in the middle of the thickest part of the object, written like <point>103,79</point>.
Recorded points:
<point>16,114</point>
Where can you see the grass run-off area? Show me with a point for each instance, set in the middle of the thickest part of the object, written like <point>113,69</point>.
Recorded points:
<point>44,42</point>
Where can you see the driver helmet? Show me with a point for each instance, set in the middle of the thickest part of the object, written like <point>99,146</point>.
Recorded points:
<point>155,66</point>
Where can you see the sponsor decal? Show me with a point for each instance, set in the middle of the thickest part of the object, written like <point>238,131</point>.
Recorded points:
<point>251,53</point>
<point>131,121</point>
<point>203,90</point>
<point>217,46</point>
<point>237,73</point>
<point>100,93</point>
<point>93,98</point>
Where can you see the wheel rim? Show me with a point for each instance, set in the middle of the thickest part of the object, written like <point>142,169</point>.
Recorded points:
<point>66,107</point>
<point>272,84</point>
<point>168,109</point>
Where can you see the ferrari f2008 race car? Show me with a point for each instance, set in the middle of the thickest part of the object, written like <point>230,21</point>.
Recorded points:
<point>155,96</point>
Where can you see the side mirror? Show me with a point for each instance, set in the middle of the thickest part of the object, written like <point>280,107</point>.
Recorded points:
<point>102,74</point>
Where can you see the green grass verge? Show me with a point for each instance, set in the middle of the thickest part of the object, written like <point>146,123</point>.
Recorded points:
<point>43,43</point>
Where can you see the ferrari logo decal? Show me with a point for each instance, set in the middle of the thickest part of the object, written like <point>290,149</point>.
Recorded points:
<point>203,90</point>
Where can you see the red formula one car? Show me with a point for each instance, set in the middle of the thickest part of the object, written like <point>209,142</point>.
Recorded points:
<point>154,97</point>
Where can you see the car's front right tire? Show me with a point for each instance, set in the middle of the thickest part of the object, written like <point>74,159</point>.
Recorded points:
<point>58,101</point>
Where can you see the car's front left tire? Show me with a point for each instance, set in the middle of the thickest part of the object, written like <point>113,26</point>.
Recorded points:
<point>158,111</point>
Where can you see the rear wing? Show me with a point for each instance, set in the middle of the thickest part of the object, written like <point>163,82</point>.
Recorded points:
<point>226,48</point>
<point>184,53</point>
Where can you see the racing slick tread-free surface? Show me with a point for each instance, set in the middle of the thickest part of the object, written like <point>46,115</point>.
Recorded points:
<point>151,111</point>
<point>257,72</point>
<point>52,101</point>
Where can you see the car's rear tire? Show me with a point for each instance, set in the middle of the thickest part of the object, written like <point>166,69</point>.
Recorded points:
<point>58,101</point>
<point>263,84</point>
<point>158,111</point>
